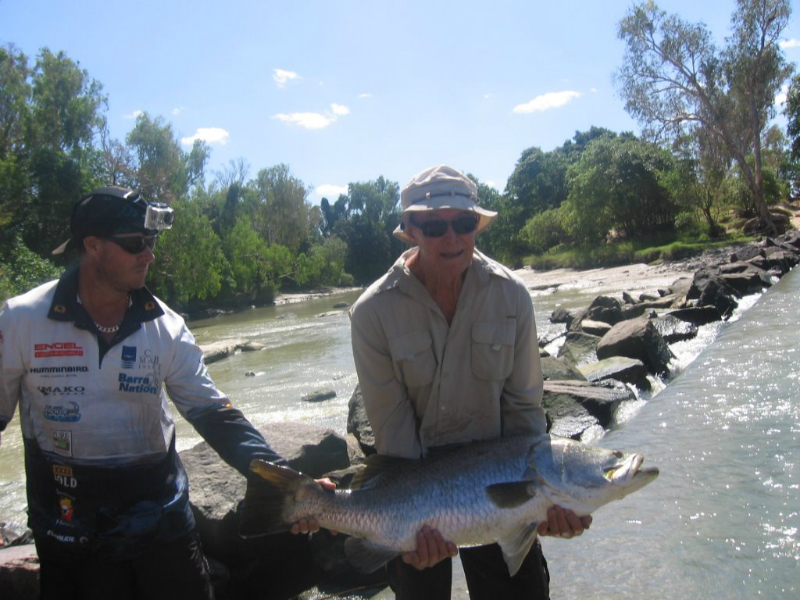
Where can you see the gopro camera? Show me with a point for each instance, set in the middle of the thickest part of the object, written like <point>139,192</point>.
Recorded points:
<point>158,217</point>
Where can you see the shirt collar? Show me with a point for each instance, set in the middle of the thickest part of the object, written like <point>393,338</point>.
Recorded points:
<point>399,275</point>
<point>65,306</point>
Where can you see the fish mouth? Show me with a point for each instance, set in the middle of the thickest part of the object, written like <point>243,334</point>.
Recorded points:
<point>630,472</point>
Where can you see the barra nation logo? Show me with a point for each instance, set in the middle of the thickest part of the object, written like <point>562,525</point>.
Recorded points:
<point>128,357</point>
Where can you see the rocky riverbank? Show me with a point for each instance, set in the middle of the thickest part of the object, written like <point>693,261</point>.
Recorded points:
<point>619,341</point>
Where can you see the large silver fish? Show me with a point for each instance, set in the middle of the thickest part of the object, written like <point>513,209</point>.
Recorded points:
<point>478,494</point>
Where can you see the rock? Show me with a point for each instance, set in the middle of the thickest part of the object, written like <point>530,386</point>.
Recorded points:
<point>627,298</point>
<point>578,347</point>
<point>747,253</point>
<point>746,278</point>
<point>216,491</point>
<point>19,572</point>
<point>575,407</point>
<point>638,339</point>
<point>697,315</point>
<point>330,313</point>
<point>711,290</point>
<point>553,368</point>
<point>358,423</point>
<point>562,315</point>
<point>598,328</point>
<point>674,329</point>
<point>225,348</point>
<point>619,368</point>
<point>606,309</point>
<point>342,305</point>
<point>319,395</point>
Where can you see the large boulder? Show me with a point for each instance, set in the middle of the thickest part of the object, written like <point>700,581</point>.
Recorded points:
<point>578,348</point>
<point>618,368</point>
<point>674,329</point>
<point>556,369</point>
<point>638,339</point>
<point>19,572</point>
<point>709,289</point>
<point>744,277</point>
<point>580,410</point>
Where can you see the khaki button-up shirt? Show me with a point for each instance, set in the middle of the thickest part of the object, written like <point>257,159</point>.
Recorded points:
<point>426,383</point>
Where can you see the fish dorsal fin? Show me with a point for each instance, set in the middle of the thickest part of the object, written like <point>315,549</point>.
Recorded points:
<point>516,547</point>
<point>376,465</point>
<point>367,556</point>
<point>511,494</point>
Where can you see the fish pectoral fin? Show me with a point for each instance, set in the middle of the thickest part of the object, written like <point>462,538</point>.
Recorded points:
<point>516,547</point>
<point>510,495</point>
<point>367,556</point>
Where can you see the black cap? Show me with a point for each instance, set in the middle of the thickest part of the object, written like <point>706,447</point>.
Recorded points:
<point>105,212</point>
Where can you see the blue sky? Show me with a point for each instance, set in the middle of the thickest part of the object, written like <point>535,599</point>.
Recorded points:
<point>346,91</point>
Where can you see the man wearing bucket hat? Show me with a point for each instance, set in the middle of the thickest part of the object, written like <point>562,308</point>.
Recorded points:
<point>88,358</point>
<point>446,353</point>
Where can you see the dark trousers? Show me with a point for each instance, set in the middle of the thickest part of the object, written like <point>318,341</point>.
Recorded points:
<point>486,573</point>
<point>174,570</point>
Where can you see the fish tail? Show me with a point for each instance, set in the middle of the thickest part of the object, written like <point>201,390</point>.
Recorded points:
<point>270,495</point>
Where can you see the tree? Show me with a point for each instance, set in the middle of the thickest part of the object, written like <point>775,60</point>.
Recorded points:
<point>617,186</point>
<point>284,214</point>
<point>674,80</point>
<point>159,165</point>
<point>792,112</point>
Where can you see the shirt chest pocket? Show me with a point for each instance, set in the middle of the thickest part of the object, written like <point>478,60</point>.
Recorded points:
<point>493,349</point>
<point>413,355</point>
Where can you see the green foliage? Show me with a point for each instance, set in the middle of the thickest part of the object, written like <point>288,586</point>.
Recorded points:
<point>545,231</point>
<point>22,270</point>
<point>616,186</point>
<point>190,265</point>
<point>675,81</point>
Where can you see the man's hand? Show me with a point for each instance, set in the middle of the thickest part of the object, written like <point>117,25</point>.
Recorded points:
<point>432,548</point>
<point>311,525</point>
<point>563,523</point>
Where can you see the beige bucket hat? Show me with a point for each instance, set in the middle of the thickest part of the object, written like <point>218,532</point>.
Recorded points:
<point>438,188</point>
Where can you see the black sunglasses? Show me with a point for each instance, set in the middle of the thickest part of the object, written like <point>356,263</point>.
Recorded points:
<point>438,227</point>
<point>134,245</point>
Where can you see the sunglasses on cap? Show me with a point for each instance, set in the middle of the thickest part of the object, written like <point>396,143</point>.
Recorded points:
<point>438,227</point>
<point>134,245</point>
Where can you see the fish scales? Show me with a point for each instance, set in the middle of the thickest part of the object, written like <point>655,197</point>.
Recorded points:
<point>478,494</point>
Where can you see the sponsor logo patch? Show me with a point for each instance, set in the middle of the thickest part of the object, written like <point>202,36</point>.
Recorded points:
<point>52,370</point>
<point>140,385</point>
<point>63,414</point>
<point>62,442</point>
<point>54,349</point>
<point>63,476</point>
<point>63,390</point>
<point>128,357</point>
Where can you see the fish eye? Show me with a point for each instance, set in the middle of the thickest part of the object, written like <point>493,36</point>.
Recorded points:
<point>618,454</point>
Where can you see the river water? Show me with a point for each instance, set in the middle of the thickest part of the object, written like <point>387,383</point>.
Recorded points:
<point>722,519</point>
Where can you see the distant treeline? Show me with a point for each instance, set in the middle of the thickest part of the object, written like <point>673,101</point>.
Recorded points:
<point>238,239</point>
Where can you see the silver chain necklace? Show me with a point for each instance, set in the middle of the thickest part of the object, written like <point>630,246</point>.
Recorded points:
<point>111,328</point>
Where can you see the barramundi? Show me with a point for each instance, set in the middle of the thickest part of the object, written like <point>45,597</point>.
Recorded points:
<point>477,494</point>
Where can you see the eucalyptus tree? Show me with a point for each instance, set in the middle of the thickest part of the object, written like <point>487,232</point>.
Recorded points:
<point>674,80</point>
<point>50,115</point>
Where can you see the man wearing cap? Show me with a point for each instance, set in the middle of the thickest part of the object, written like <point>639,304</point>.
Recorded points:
<point>446,353</point>
<point>87,359</point>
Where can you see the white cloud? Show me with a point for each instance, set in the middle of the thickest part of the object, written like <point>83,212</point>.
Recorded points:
<point>135,114</point>
<point>311,120</point>
<point>547,101</point>
<point>781,97</point>
<point>488,95</point>
<point>793,43</point>
<point>365,95</point>
<point>330,191</point>
<point>211,135</point>
<point>281,77</point>
<point>177,111</point>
